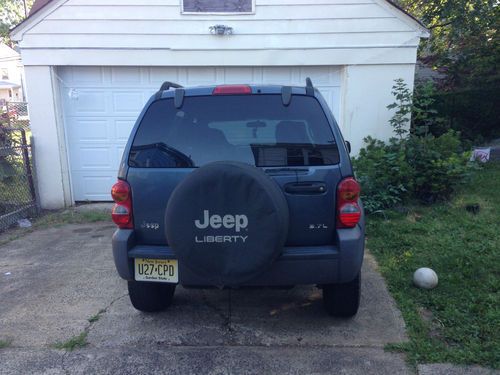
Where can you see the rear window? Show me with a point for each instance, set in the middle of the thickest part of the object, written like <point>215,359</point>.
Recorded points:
<point>255,129</point>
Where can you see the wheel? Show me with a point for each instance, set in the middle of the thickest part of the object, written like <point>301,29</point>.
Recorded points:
<point>150,297</point>
<point>219,214</point>
<point>342,300</point>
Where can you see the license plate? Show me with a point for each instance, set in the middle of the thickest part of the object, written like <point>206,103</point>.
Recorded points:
<point>158,270</point>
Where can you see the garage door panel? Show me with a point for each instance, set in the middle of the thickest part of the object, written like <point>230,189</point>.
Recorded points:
<point>123,129</point>
<point>201,76</point>
<point>239,75</point>
<point>321,76</point>
<point>89,75</point>
<point>128,102</point>
<point>85,130</point>
<point>95,186</point>
<point>101,105</point>
<point>96,157</point>
<point>127,75</point>
<point>331,95</point>
<point>87,102</point>
<point>278,75</point>
<point>84,102</point>
<point>159,75</point>
<point>93,158</point>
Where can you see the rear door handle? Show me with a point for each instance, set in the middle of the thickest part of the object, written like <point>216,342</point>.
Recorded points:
<point>305,188</point>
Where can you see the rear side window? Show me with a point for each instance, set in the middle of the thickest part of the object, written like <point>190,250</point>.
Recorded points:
<point>255,129</point>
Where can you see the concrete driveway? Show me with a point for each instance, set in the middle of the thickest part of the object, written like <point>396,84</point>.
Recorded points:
<point>53,281</point>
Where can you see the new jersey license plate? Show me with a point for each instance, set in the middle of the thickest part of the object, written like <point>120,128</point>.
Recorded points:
<point>157,270</point>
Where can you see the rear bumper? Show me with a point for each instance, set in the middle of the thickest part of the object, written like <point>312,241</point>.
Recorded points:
<point>295,266</point>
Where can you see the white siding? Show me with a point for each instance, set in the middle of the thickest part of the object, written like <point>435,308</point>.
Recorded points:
<point>270,57</point>
<point>367,93</point>
<point>242,42</point>
<point>140,11</point>
<point>200,27</point>
<point>49,139</point>
<point>331,32</point>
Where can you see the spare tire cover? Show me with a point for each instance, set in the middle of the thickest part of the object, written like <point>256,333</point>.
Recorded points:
<point>227,222</point>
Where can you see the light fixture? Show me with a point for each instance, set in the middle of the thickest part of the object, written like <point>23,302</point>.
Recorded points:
<point>221,30</point>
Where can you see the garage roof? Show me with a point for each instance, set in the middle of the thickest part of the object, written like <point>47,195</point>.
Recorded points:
<point>37,5</point>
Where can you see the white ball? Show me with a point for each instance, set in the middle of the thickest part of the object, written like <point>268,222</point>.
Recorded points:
<point>425,278</point>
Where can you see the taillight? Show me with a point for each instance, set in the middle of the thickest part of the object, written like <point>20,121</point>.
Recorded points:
<point>122,210</point>
<point>232,90</point>
<point>348,210</point>
<point>120,191</point>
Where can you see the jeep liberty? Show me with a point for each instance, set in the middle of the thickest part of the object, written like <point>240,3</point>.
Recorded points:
<point>238,185</point>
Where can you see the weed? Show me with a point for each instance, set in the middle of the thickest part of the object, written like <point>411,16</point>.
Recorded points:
<point>5,343</point>
<point>96,317</point>
<point>73,343</point>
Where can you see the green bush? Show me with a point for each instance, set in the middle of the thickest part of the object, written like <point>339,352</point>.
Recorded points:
<point>384,174</point>
<point>417,165</point>
<point>438,165</point>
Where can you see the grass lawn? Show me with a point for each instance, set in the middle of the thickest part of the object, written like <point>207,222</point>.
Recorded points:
<point>70,216</point>
<point>459,321</point>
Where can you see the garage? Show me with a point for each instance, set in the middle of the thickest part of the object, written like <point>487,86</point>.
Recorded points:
<point>91,65</point>
<point>101,105</point>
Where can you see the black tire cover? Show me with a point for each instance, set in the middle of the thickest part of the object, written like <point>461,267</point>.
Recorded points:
<point>246,229</point>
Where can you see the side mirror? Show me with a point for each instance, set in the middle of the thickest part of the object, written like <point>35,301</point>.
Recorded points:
<point>348,146</point>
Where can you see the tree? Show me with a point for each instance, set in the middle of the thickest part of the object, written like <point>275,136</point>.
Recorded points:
<point>464,42</point>
<point>12,12</point>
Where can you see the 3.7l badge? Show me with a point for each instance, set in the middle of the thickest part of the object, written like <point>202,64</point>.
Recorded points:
<point>318,226</point>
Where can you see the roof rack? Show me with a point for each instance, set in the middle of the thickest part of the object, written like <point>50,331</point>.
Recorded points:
<point>179,92</point>
<point>169,85</point>
<point>286,92</point>
<point>286,95</point>
<point>309,87</point>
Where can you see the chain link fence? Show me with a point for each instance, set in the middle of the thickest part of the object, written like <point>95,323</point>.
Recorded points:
<point>16,115</point>
<point>17,184</point>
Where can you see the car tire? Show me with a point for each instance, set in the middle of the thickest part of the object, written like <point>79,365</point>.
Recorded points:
<point>342,300</point>
<point>227,188</point>
<point>150,297</point>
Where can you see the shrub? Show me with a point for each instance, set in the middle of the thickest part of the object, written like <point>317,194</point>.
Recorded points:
<point>417,165</point>
<point>438,165</point>
<point>384,174</point>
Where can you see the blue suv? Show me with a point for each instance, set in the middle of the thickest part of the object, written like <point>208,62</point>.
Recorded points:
<point>238,185</point>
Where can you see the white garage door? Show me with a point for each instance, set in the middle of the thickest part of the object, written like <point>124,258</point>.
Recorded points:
<point>101,105</point>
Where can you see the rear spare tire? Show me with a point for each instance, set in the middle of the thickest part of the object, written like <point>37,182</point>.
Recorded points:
<point>227,222</point>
